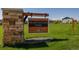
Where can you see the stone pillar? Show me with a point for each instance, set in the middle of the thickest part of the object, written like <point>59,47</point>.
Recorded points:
<point>13,26</point>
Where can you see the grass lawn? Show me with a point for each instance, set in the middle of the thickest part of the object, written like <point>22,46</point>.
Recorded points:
<point>65,39</point>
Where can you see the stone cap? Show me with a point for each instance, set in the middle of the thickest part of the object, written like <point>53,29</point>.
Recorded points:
<point>12,9</point>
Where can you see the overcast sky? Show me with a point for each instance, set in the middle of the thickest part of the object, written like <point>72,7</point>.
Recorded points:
<point>54,13</point>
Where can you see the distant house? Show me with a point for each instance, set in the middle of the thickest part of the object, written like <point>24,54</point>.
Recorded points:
<point>67,20</point>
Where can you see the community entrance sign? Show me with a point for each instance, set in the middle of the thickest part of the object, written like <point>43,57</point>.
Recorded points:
<point>13,25</point>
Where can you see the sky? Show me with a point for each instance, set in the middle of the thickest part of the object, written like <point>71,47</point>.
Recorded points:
<point>0,14</point>
<point>54,13</point>
<point>57,13</point>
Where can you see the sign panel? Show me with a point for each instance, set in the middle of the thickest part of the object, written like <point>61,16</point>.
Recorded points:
<point>38,25</point>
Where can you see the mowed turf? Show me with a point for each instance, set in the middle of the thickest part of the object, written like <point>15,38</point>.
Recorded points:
<point>64,38</point>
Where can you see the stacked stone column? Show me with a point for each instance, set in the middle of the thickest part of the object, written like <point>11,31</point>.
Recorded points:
<point>13,26</point>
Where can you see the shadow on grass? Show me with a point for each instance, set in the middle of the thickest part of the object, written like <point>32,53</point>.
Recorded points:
<point>36,43</point>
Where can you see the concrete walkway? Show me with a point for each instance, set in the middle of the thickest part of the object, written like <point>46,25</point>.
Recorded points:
<point>38,40</point>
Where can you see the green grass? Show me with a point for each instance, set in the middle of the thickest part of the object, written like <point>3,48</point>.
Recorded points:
<point>57,31</point>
